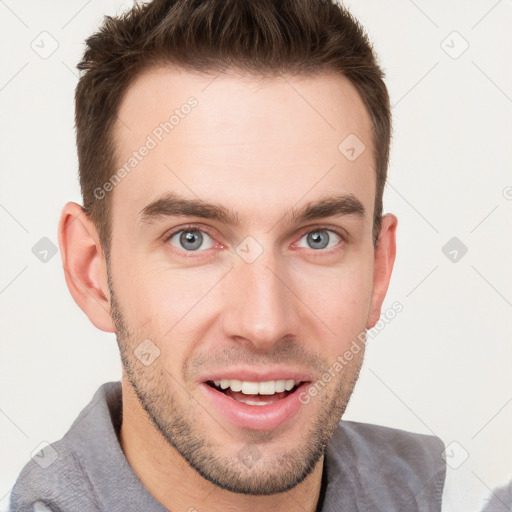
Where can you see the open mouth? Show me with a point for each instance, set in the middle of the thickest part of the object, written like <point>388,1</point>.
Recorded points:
<point>256,405</point>
<point>255,393</point>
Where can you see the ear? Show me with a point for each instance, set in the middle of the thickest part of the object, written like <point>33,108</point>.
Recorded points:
<point>383,266</point>
<point>85,266</point>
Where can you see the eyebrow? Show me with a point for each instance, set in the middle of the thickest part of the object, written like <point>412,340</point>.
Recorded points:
<point>173,205</point>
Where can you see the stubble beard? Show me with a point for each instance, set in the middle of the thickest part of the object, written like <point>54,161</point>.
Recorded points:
<point>262,472</point>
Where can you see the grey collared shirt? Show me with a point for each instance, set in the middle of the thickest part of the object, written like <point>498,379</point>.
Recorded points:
<point>367,468</point>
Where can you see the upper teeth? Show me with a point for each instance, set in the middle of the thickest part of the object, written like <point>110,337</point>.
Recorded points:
<point>257,388</point>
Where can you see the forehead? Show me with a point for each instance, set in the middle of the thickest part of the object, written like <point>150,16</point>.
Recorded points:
<point>252,142</point>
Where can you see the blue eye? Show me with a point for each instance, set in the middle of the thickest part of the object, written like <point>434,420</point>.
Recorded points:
<point>190,239</point>
<point>193,239</point>
<point>320,239</point>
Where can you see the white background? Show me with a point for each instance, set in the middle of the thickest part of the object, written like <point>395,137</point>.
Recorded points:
<point>442,366</point>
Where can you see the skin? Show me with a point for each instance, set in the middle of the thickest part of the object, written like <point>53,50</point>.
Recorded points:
<point>257,147</point>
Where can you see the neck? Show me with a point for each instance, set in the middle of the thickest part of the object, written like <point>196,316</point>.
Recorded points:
<point>177,486</point>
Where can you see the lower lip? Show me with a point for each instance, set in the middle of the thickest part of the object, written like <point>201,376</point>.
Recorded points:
<point>256,417</point>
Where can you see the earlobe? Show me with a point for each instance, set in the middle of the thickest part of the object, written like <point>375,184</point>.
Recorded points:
<point>84,265</point>
<point>385,253</point>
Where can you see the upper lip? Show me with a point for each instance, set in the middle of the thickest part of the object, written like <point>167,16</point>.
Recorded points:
<point>253,375</point>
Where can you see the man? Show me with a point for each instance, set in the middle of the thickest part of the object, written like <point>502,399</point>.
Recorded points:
<point>232,156</point>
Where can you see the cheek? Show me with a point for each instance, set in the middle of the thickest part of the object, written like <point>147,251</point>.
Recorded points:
<point>341,298</point>
<point>165,305</point>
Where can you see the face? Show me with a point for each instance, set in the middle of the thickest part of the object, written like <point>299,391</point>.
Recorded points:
<point>242,266</point>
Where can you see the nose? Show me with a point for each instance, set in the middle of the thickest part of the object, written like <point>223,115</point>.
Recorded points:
<point>261,308</point>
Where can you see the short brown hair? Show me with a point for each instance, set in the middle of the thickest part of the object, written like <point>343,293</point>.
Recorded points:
<point>261,37</point>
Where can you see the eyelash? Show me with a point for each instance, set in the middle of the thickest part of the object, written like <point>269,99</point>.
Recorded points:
<point>193,227</point>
